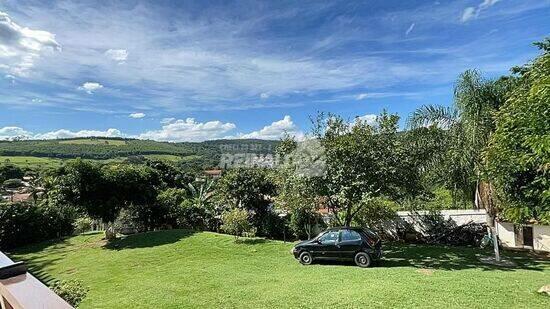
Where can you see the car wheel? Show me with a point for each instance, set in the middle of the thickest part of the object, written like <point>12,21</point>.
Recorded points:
<point>305,258</point>
<point>362,259</point>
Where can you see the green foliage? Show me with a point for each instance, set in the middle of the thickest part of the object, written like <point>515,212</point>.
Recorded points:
<point>519,153</point>
<point>235,222</point>
<point>375,212</point>
<point>10,171</point>
<point>82,225</point>
<point>72,291</point>
<point>13,183</point>
<point>364,161</point>
<point>251,189</point>
<point>22,224</point>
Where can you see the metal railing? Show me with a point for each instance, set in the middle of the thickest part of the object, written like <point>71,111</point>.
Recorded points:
<point>24,291</point>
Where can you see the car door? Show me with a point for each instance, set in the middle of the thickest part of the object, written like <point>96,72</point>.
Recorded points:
<point>325,247</point>
<point>349,244</point>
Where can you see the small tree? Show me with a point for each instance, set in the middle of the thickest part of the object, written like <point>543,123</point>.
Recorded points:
<point>235,222</point>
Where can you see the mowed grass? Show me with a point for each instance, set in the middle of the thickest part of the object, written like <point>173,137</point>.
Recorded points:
<point>181,269</point>
<point>24,161</point>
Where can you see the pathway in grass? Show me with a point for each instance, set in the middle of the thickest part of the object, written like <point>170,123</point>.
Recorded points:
<point>174,269</point>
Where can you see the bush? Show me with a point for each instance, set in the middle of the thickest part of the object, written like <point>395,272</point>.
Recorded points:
<point>10,171</point>
<point>235,222</point>
<point>72,291</point>
<point>82,225</point>
<point>192,216</point>
<point>13,183</point>
<point>22,223</point>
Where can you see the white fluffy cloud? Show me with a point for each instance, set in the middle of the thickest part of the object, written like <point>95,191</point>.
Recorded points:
<point>473,12</point>
<point>189,130</point>
<point>276,130</point>
<point>136,115</point>
<point>7,133</point>
<point>90,87</point>
<point>21,47</point>
<point>119,55</point>
<point>83,133</point>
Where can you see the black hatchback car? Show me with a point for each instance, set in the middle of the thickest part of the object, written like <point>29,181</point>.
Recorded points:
<point>345,243</point>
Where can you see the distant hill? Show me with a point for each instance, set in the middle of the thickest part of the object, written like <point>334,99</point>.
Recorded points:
<point>109,148</point>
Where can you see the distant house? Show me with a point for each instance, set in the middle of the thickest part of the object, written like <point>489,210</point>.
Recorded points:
<point>213,174</point>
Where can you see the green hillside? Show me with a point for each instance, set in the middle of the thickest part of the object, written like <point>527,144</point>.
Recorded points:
<point>111,148</point>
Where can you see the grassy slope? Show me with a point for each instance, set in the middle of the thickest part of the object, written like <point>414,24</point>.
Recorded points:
<point>174,269</point>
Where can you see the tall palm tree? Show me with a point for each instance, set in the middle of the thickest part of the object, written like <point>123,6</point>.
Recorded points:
<point>467,126</point>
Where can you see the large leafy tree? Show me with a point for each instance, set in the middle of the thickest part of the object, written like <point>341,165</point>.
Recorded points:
<point>519,152</point>
<point>363,162</point>
<point>102,191</point>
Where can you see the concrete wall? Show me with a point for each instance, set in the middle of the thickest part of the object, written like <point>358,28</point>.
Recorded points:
<point>541,237</point>
<point>506,234</point>
<point>511,236</point>
<point>459,216</point>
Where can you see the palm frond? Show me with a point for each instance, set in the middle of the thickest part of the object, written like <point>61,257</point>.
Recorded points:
<point>428,115</point>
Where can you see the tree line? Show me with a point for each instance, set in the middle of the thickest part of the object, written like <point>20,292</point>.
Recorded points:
<point>490,149</point>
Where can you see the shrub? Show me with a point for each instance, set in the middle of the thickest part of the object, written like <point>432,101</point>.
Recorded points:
<point>82,225</point>
<point>13,183</point>
<point>192,216</point>
<point>235,222</point>
<point>22,223</point>
<point>72,291</point>
<point>10,171</point>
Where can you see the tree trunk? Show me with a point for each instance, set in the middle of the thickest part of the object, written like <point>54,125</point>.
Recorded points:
<point>484,199</point>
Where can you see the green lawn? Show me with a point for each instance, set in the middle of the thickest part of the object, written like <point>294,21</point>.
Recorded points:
<point>177,269</point>
<point>33,162</point>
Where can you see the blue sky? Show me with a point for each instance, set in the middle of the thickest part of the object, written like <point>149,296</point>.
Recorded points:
<point>196,70</point>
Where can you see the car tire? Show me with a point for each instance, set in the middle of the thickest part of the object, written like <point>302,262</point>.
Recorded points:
<point>362,259</point>
<point>306,258</point>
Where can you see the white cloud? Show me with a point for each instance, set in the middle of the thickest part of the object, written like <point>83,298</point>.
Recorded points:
<point>136,115</point>
<point>370,119</point>
<point>473,12</point>
<point>189,130</point>
<point>167,120</point>
<point>36,100</point>
<point>276,130</point>
<point>7,133</point>
<point>411,27</point>
<point>63,133</point>
<point>361,96</point>
<point>119,55</point>
<point>21,47</point>
<point>90,87</point>
<point>264,95</point>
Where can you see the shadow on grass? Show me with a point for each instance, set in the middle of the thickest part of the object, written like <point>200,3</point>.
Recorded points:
<point>148,239</point>
<point>455,258</point>
<point>251,241</point>
<point>448,258</point>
